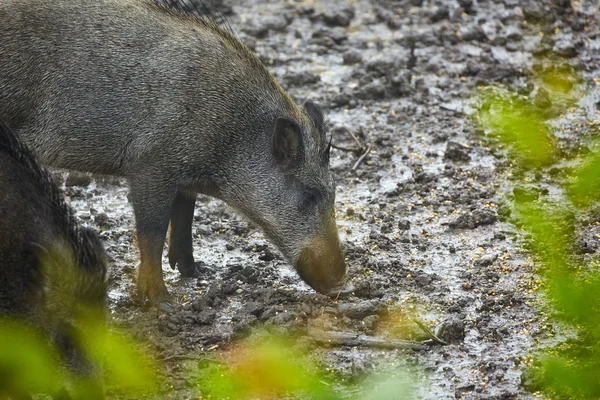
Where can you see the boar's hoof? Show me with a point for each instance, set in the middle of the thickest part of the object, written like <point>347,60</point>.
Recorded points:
<point>187,270</point>
<point>185,265</point>
<point>166,306</point>
<point>151,286</point>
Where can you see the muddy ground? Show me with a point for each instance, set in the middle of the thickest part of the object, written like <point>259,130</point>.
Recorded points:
<point>422,217</point>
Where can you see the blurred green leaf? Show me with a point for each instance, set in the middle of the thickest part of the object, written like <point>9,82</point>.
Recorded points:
<point>586,185</point>
<point>518,123</point>
<point>264,367</point>
<point>271,367</point>
<point>570,369</point>
<point>26,361</point>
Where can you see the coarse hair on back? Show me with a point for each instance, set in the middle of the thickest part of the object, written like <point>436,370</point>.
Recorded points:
<point>213,21</point>
<point>207,17</point>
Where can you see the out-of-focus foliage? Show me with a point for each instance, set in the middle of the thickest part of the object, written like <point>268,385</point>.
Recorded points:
<point>29,362</point>
<point>26,360</point>
<point>63,343</point>
<point>259,368</point>
<point>519,123</point>
<point>399,323</point>
<point>272,367</point>
<point>570,369</point>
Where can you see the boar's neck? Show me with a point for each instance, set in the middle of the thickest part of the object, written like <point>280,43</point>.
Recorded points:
<point>234,107</point>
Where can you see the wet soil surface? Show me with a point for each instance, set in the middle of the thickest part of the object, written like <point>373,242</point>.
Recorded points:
<point>422,216</point>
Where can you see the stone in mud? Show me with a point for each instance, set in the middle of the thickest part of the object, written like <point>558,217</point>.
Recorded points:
<point>472,32</point>
<point>282,318</point>
<point>329,37</point>
<point>466,5</point>
<point>425,177</point>
<point>565,48</point>
<point>587,245</point>
<point>374,90</point>
<point>267,255</point>
<point>206,317</point>
<point>404,225</point>
<point>424,279</point>
<point>382,66</point>
<point>497,72</point>
<point>474,219</point>
<point>339,16</point>
<point>452,330</point>
<point>200,304</point>
<point>252,308</point>
<point>438,13</point>
<point>386,228</point>
<point>535,12</point>
<point>306,9</point>
<point>513,33</point>
<point>362,309</point>
<point>484,217</point>
<point>463,221</point>
<point>367,290</point>
<point>486,260</point>
<point>370,322</point>
<point>457,152</point>
<point>303,78</point>
<point>101,220</point>
<point>352,56</point>
<point>261,27</point>
<point>434,64</point>
<point>203,230</point>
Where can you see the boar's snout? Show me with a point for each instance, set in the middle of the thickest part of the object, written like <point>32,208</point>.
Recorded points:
<point>321,264</point>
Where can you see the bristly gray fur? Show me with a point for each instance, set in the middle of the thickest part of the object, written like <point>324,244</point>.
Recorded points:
<point>177,105</point>
<point>200,9</point>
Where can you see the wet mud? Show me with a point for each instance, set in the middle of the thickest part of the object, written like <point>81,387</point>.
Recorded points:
<point>422,216</point>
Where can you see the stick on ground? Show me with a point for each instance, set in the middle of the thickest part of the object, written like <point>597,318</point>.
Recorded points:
<point>428,331</point>
<point>361,158</point>
<point>353,339</point>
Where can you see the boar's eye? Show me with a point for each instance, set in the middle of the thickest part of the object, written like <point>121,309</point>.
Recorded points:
<point>311,197</point>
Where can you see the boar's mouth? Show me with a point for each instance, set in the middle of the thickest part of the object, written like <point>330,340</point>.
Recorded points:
<point>321,263</point>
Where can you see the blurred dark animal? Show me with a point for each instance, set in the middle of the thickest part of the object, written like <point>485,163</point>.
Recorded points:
<point>52,271</point>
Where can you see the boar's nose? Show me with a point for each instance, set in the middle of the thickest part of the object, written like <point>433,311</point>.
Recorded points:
<point>321,264</point>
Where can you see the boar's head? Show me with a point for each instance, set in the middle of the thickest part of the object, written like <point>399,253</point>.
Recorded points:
<point>289,192</point>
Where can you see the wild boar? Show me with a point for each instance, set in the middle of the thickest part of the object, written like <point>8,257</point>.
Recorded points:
<point>179,106</point>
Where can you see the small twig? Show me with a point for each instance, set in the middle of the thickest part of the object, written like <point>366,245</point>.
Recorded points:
<point>361,158</point>
<point>352,339</point>
<point>350,149</point>
<point>358,142</point>
<point>428,331</point>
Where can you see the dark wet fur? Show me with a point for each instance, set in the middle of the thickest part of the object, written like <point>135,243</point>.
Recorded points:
<point>83,241</point>
<point>50,268</point>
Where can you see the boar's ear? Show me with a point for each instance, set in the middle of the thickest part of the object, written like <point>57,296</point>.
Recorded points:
<point>287,142</point>
<point>315,114</point>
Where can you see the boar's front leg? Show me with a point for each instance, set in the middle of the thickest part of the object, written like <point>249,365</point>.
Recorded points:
<point>180,241</point>
<point>152,200</point>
